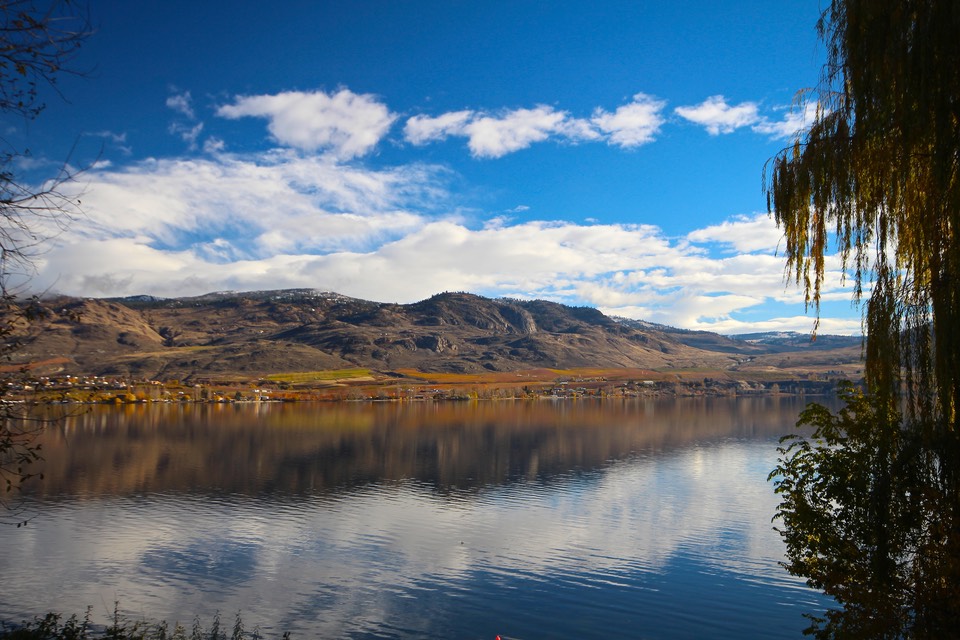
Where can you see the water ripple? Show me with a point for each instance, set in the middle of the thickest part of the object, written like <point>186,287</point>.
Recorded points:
<point>650,541</point>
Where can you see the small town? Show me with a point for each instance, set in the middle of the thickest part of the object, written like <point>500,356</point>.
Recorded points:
<point>71,389</point>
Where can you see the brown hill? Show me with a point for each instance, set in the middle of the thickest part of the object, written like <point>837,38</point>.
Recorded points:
<point>258,333</point>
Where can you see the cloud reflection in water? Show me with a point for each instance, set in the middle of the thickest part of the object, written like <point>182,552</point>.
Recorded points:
<point>654,522</point>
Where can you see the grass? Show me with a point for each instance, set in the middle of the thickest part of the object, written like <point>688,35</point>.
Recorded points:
<point>526,375</point>
<point>448,378</point>
<point>54,627</point>
<point>319,376</point>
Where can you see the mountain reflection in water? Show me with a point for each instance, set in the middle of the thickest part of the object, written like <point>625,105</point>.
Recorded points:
<point>451,520</point>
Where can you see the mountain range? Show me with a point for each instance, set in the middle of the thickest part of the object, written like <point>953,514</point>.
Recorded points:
<point>247,335</point>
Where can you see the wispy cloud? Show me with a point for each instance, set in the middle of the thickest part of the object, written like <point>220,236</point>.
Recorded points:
<point>186,127</point>
<point>182,103</point>
<point>189,133</point>
<point>345,124</point>
<point>422,129</point>
<point>117,140</point>
<point>794,121</point>
<point>266,204</point>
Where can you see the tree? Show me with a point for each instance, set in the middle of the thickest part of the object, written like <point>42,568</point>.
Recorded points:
<point>877,176</point>
<point>38,43</point>
<point>880,167</point>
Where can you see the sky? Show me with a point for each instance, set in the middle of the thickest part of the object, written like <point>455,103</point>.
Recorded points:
<point>603,154</point>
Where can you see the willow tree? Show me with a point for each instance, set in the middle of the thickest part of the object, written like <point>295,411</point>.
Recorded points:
<point>879,173</point>
<point>876,178</point>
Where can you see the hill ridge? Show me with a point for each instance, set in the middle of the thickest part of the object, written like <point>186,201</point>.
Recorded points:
<point>287,330</point>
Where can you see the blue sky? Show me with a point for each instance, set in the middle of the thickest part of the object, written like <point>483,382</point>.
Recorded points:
<point>607,154</point>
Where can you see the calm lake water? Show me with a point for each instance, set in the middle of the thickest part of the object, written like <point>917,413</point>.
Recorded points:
<point>634,519</point>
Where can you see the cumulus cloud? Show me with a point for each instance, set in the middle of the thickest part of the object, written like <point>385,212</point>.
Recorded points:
<point>632,124</point>
<point>345,124</point>
<point>493,135</point>
<point>716,116</point>
<point>496,135</point>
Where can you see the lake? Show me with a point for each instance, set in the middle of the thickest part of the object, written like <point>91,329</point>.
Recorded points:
<point>529,519</point>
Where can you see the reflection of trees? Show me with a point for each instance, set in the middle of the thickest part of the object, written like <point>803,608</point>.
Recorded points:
<point>282,449</point>
<point>870,517</point>
<point>861,519</point>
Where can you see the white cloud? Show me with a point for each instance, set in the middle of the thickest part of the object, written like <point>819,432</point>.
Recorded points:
<point>795,121</point>
<point>630,125</point>
<point>718,117</point>
<point>181,227</point>
<point>798,323</point>
<point>282,219</point>
<point>346,124</point>
<point>742,233</point>
<point>117,140</point>
<point>188,134</point>
<point>496,136</point>
<point>493,136</point>
<point>264,204</point>
<point>214,145</point>
<point>633,124</point>
<point>420,130</point>
<point>182,103</point>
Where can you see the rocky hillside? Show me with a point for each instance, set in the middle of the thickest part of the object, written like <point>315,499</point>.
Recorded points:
<point>254,334</point>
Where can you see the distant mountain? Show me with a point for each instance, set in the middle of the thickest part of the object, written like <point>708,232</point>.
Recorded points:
<point>792,341</point>
<point>749,343</point>
<point>252,334</point>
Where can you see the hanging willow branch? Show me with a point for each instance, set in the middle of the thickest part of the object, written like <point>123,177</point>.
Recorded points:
<point>878,174</point>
